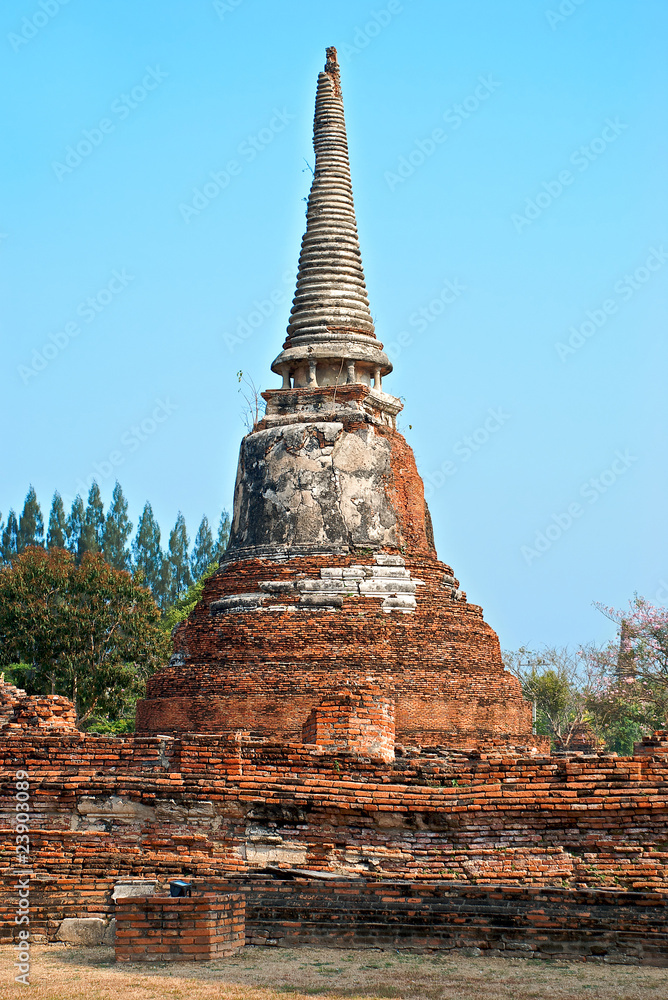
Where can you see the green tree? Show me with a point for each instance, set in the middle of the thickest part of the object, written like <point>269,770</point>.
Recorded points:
<point>93,526</point>
<point>75,526</point>
<point>165,583</point>
<point>180,576</point>
<point>56,536</point>
<point>31,523</point>
<point>89,628</point>
<point>223,534</point>
<point>117,529</point>
<point>204,552</point>
<point>9,544</point>
<point>147,554</point>
<point>552,679</point>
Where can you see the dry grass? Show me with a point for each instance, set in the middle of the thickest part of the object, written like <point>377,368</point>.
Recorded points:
<point>62,973</point>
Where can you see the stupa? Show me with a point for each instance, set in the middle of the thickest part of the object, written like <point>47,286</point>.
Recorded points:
<point>330,614</point>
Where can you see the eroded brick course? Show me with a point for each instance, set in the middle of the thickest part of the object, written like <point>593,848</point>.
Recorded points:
<point>205,805</point>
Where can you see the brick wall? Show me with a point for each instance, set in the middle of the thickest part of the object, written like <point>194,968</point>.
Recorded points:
<point>179,929</point>
<point>203,806</point>
<point>649,746</point>
<point>54,898</point>
<point>505,920</point>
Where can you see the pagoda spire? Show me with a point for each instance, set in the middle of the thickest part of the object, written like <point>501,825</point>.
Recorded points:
<point>331,338</point>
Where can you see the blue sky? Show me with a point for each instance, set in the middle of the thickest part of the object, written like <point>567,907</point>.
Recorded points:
<point>508,165</point>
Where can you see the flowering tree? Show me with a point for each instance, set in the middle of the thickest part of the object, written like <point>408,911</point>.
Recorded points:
<point>643,639</point>
<point>618,690</point>
<point>630,696</point>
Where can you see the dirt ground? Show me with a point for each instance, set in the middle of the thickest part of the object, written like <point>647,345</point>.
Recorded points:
<point>59,972</point>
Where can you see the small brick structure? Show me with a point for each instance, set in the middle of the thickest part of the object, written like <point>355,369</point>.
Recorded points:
<point>361,721</point>
<point>45,714</point>
<point>652,746</point>
<point>179,929</point>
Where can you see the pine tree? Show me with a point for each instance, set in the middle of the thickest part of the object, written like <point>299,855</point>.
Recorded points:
<point>223,534</point>
<point>31,523</point>
<point>93,526</point>
<point>56,537</point>
<point>204,552</point>
<point>164,586</point>
<point>9,544</point>
<point>117,529</point>
<point>147,555</point>
<point>180,576</point>
<point>75,524</point>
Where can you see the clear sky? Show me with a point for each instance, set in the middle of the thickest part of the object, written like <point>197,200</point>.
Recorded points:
<point>508,163</point>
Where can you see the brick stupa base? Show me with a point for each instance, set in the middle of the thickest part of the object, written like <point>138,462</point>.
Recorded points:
<point>275,635</point>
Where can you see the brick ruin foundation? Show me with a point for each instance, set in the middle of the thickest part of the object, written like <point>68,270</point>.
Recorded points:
<point>139,807</point>
<point>110,811</point>
<point>21,713</point>
<point>468,825</point>
<point>335,706</point>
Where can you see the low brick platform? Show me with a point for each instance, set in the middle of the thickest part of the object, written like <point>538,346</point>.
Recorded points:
<point>179,929</point>
<point>607,925</point>
<point>627,928</point>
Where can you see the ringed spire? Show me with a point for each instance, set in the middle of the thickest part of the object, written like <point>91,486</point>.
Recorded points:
<point>331,337</point>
